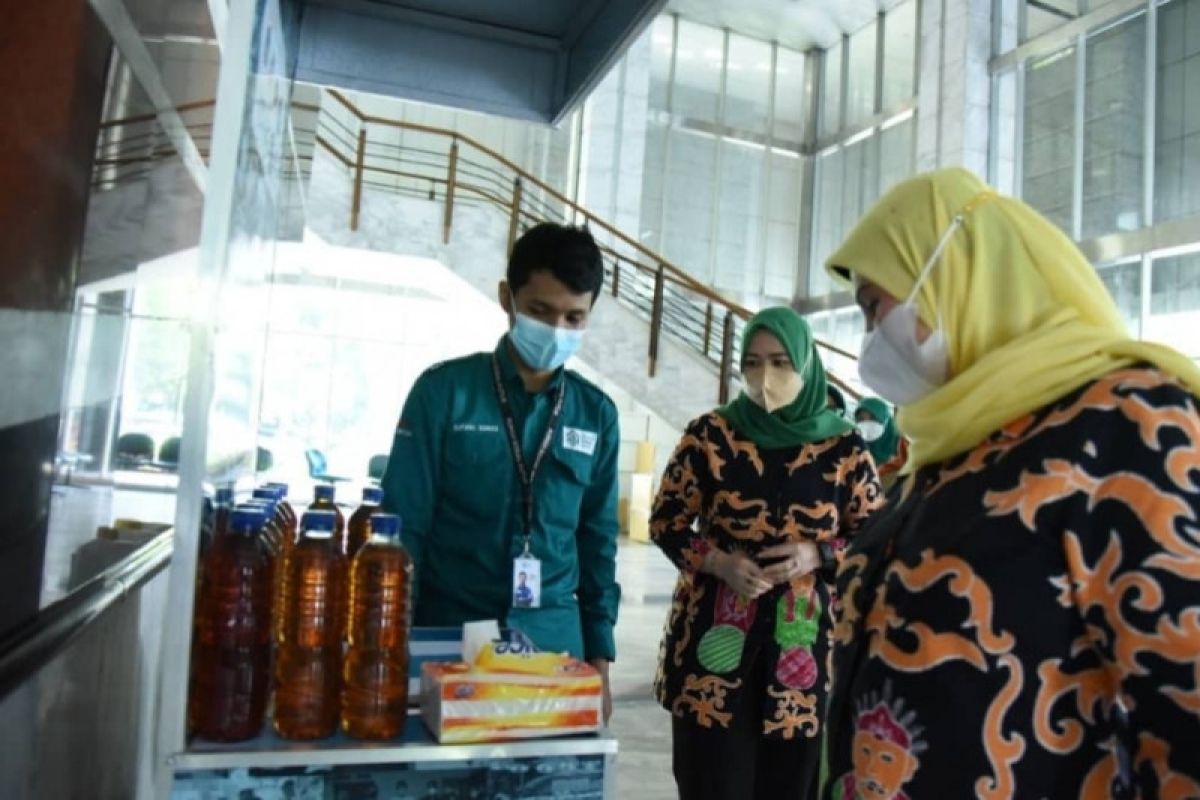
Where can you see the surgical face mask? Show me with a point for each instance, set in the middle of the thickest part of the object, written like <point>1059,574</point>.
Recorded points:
<point>771,387</point>
<point>543,347</point>
<point>871,430</point>
<point>892,362</point>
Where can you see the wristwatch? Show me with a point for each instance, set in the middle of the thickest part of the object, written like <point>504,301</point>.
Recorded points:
<point>827,553</point>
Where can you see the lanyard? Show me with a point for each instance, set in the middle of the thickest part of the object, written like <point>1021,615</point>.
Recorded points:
<point>526,472</point>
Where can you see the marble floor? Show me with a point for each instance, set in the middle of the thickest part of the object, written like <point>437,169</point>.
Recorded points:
<point>640,724</point>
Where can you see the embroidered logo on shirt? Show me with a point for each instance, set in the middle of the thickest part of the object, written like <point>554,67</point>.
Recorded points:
<point>580,441</point>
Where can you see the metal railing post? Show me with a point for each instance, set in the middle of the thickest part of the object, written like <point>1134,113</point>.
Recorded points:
<point>656,316</point>
<point>451,180</point>
<point>616,287</point>
<point>726,372</point>
<point>515,219</point>
<point>359,162</point>
<point>708,320</point>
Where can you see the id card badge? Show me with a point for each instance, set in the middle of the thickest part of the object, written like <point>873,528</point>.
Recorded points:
<point>527,582</point>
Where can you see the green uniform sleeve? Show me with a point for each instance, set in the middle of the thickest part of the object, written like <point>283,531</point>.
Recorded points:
<point>410,482</point>
<point>599,592</point>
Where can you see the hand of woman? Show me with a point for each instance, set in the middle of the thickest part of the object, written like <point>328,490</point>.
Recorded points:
<point>795,559</point>
<point>739,572</point>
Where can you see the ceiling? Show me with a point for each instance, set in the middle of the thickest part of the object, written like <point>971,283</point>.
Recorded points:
<point>529,59</point>
<point>797,24</point>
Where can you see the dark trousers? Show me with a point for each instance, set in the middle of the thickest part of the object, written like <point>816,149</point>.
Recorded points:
<point>738,762</point>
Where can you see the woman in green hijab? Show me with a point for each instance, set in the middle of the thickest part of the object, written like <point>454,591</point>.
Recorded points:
<point>754,509</point>
<point>878,428</point>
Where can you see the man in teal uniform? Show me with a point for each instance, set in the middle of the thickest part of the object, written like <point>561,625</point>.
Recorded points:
<point>477,510</point>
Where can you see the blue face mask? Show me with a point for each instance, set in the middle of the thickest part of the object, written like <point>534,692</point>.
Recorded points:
<point>543,347</point>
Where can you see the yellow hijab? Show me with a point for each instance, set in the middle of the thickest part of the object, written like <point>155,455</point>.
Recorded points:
<point>1026,318</point>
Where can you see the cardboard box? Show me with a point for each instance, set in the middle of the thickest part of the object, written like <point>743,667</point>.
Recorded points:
<point>641,497</point>
<point>462,704</point>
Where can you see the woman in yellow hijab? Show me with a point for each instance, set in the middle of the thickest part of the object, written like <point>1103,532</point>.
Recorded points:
<point>1023,619</point>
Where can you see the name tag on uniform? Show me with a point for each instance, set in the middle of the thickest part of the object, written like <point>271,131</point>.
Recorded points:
<point>580,441</point>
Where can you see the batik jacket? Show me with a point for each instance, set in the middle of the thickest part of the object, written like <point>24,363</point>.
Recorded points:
<point>722,491</point>
<point>1023,620</point>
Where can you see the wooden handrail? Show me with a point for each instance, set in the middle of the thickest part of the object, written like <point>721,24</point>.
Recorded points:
<point>528,178</point>
<point>678,276</point>
<point>116,123</point>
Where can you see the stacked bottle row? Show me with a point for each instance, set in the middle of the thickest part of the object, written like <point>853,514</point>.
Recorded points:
<point>313,612</point>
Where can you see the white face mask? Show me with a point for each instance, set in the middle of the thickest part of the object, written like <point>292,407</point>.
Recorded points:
<point>871,430</point>
<point>892,362</point>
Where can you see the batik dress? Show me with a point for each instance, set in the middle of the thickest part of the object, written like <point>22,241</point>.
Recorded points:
<point>1024,619</point>
<point>722,491</point>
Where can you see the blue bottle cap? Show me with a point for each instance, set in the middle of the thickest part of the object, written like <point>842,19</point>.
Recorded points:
<point>319,521</point>
<point>372,495</point>
<point>267,497</point>
<point>280,488</point>
<point>246,519</point>
<point>224,496</point>
<point>385,525</point>
<point>265,507</point>
<point>324,491</point>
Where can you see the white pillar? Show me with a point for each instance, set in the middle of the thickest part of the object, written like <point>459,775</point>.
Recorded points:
<point>954,95</point>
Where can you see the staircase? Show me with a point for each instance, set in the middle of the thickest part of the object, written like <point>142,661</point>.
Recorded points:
<point>666,339</point>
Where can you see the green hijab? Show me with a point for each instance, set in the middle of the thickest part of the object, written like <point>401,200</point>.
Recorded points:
<point>808,418</point>
<point>884,448</point>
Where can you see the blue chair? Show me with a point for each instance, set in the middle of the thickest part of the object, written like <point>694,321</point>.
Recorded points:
<point>318,466</point>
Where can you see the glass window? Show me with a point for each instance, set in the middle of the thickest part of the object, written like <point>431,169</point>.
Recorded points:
<point>698,61</point>
<point>789,98</point>
<point>860,80</point>
<point>1113,142</point>
<point>1175,302</point>
<point>1177,129</point>
<point>739,217</point>
<point>852,177</point>
<point>896,154</point>
<point>662,34</point>
<point>654,168</point>
<point>831,90</point>
<point>827,219</point>
<point>1043,16</point>
<point>1124,282</point>
<point>1175,284</point>
<point>747,83</point>
<point>1049,141</point>
<point>780,277</point>
<point>783,225</point>
<point>689,186</point>
<point>860,181</point>
<point>156,366</point>
<point>1003,140</point>
<point>899,54</point>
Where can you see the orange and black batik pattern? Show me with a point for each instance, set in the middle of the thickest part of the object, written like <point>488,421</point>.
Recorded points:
<point>1023,621</point>
<point>720,490</point>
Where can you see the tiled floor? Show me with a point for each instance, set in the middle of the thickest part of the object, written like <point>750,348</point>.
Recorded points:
<point>641,725</point>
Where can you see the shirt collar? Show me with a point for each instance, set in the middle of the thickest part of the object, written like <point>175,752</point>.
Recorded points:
<point>508,368</point>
